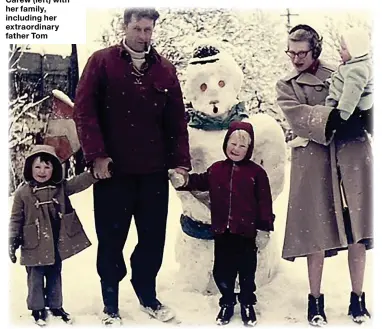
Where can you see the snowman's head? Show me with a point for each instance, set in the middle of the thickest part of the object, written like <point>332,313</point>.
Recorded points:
<point>213,80</point>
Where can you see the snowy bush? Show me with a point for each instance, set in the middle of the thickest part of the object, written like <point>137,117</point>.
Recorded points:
<point>25,124</point>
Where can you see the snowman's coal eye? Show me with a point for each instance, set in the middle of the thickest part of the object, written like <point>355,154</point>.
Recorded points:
<point>203,87</point>
<point>221,83</point>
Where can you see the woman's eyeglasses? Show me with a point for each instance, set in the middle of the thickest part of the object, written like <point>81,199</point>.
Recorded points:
<point>300,54</point>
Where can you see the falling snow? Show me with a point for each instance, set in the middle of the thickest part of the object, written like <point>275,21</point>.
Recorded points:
<point>283,301</point>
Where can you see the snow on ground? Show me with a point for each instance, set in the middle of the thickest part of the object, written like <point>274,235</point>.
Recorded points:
<point>281,302</point>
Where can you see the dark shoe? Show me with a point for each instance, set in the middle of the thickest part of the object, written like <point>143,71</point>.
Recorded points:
<point>60,313</point>
<point>40,317</point>
<point>316,313</point>
<point>225,314</point>
<point>158,311</point>
<point>111,317</point>
<point>357,308</point>
<point>248,315</point>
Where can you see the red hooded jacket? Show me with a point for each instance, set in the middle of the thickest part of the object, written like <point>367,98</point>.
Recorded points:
<point>240,193</point>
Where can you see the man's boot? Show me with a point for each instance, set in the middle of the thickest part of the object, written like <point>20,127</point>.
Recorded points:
<point>110,301</point>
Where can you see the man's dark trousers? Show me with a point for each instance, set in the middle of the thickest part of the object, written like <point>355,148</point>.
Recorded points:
<point>116,200</point>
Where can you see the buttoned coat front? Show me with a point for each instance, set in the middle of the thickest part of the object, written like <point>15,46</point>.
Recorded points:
<point>30,219</point>
<point>315,218</point>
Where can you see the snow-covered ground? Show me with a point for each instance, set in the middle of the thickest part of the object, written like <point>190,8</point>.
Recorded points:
<point>281,302</point>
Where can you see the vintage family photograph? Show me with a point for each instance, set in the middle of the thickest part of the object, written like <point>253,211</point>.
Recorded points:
<point>194,167</point>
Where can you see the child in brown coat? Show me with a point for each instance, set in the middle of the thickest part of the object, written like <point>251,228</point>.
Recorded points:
<point>47,228</point>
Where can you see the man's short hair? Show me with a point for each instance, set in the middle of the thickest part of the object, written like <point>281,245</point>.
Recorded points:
<point>139,13</point>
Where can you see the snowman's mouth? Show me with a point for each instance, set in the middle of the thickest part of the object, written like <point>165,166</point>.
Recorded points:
<point>215,109</point>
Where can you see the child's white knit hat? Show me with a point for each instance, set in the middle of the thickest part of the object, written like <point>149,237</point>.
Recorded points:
<point>357,41</point>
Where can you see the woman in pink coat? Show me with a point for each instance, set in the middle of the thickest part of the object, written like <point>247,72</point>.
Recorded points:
<point>330,193</point>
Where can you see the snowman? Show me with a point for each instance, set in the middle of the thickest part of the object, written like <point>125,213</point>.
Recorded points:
<point>213,82</point>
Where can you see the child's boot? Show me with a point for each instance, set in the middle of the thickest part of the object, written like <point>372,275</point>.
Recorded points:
<point>316,313</point>
<point>60,313</point>
<point>248,315</point>
<point>225,314</point>
<point>39,317</point>
<point>357,308</point>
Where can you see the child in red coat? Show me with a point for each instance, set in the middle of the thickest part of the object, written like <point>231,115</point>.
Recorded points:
<point>241,217</point>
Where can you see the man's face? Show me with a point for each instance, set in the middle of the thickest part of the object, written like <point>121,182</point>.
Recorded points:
<point>300,49</point>
<point>138,33</point>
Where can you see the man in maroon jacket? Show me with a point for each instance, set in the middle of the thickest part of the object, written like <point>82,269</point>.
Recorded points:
<point>129,112</point>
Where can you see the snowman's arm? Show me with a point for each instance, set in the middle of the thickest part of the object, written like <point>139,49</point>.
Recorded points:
<point>272,157</point>
<point>194,208</point>
<point>270,150</point>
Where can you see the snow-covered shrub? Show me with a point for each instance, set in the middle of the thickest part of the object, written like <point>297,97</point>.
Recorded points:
<point>25,124</point>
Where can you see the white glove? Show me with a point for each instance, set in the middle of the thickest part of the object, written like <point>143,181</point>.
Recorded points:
<point>262,239</point>
<point>298,142</point>
<point>177,180</point>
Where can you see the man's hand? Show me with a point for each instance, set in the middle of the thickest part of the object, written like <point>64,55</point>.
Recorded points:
<point>176,179</point>
<point>101,167</point>
<point>184,173</point>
